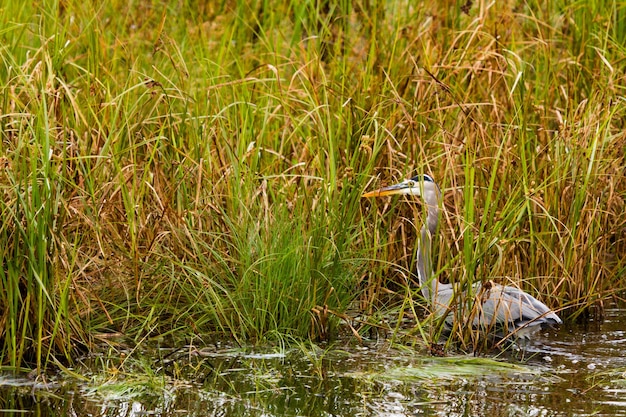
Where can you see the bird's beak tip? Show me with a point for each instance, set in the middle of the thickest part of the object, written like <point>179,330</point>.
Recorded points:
<point>370,194</point>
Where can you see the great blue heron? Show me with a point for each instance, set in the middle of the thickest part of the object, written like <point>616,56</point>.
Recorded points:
<point>505,310</point>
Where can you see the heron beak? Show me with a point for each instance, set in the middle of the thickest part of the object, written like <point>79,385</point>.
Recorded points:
<point>389,190</point>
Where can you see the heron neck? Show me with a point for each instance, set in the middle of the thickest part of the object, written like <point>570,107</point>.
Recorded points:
<point>424,256</point>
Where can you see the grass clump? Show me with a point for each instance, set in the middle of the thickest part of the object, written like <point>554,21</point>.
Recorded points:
<point>197,168</point>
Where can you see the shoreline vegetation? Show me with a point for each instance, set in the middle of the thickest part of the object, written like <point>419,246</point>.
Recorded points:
<point>194,169</point>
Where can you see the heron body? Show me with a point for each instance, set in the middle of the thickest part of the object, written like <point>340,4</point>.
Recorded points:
<point>502,310</point>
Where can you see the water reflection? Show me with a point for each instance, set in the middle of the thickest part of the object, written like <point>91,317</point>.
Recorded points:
<point>579,371</point>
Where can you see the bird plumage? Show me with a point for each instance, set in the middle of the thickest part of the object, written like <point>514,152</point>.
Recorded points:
<point>502,310</point>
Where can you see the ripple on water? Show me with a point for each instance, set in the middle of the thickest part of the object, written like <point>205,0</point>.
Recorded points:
<point>579,370</point>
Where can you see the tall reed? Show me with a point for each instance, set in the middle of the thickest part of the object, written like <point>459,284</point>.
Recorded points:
<point>197,170</point>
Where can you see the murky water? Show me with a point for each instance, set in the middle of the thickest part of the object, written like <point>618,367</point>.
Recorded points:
<point>579,371</point>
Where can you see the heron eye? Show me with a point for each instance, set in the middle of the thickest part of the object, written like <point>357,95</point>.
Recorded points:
<point>411,184</point>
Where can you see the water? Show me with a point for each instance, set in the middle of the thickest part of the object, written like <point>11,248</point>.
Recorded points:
<point>579,371</point>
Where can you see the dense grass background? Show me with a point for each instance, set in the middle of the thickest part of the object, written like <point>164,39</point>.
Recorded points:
<point>195,168</point>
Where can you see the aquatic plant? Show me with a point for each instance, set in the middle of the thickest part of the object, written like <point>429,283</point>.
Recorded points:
<point>196,169</point>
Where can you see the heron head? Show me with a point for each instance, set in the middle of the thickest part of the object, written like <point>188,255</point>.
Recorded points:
<point>421,185</point>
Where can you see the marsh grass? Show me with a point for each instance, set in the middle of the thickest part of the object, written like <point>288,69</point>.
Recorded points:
<point>197,168</point>
<point>439,370</point>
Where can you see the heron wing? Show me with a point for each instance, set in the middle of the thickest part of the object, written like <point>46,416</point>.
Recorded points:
<point>513,308</point>
<point>495,307</point>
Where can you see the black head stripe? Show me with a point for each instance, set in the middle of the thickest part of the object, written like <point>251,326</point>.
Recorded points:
<point>423,177</point>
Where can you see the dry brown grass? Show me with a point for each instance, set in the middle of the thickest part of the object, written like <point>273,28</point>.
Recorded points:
<point>168,159</point>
